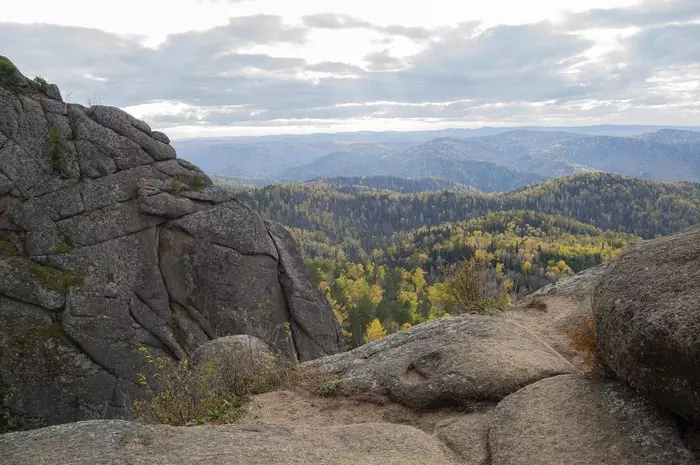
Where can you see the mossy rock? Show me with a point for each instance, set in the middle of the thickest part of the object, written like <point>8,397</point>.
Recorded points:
<point>8,248</point>
<point>58,280</point>
<point>24,337</point>
<point>63,248</point>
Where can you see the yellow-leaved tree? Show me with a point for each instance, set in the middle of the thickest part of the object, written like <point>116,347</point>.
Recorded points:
<point>375,331</point>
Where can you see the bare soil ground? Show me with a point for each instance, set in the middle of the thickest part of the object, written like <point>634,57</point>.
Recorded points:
<point>553,324</point>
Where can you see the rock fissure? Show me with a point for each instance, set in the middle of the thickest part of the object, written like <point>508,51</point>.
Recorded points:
<point>245,254</point>
<point>160,332</point>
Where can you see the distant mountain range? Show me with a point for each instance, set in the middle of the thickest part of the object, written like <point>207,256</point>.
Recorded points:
<point>488,159</point>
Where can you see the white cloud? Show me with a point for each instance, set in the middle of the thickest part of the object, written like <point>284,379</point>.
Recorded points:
<point>247,66</point>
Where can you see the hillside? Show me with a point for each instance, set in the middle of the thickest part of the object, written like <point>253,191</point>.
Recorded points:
<point>396,249</point>
<point>607,201</point>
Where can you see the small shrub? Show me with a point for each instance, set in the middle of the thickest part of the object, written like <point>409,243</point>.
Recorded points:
<point>40,81</point>
<point>197,184</point>
<point>176,187</point>
<point>331,387</point>
<point>486,305</point>
<point>9,76</point>
<point>58,280</point>
<point>466,284</point>
<point>316,382</point>
<point>583,340</point>
<point>537,302</point>
<point>93,100</point>
<point>186,395</point>
<point>57,146</point>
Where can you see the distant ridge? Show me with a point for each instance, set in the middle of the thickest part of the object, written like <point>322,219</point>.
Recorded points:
<point>521,155</point>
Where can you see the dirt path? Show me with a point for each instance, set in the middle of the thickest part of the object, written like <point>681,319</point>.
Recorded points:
<point>562,315</point>
<point>463,433</point>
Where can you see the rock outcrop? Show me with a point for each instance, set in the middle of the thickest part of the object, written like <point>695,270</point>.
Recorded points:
<point>647,309</point>
<point>109,243</point>
<point>450,361</point>
<point>119,442</point>
<point>571,420</point>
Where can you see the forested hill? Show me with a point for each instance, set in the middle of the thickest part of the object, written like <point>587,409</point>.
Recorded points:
<point>355,184</point>
<point>387,256</point>
<point>610,202</point>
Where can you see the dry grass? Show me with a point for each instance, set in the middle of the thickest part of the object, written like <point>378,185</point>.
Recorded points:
<point>583,340</point>
<point>182,394</point>
<point>314,381</point>
<point>537,302</point>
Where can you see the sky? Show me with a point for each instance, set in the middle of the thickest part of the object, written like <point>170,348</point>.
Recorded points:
<point>205,68</point>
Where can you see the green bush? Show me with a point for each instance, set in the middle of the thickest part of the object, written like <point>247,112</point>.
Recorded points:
<point>197,185</point>
<point>9,76</point>
<point>330,387</point>
<point>40,81</point>
<point>57,146</point>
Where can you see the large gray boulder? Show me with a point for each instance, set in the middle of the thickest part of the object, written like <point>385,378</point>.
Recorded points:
<point>448,361</point>
<point>120,442</point>
<point>647,309</point>
<point>109,243</point>
<point>572,420</point>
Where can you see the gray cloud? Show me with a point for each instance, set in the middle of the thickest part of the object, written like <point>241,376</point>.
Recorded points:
<point>648,13</point>
<point>383,61</point>
<point>342,21</point>
<point>666,46</point>
<point>335,21</point>
<point>502,73</point>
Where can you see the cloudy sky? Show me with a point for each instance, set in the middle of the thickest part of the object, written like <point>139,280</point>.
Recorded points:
<point>244,67</point>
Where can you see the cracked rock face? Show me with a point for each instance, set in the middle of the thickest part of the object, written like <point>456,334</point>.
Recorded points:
<point>109,243</point>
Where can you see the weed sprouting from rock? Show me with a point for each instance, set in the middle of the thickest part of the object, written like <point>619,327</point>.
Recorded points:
<point>197,185</point>
<point>583,340</point>
<point>57,147</point>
